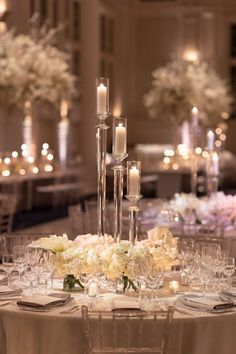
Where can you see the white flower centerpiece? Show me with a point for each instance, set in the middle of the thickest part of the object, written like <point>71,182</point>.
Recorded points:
<point>33,69</point>
<point>90,253</point>
<point>181,85</point>
<point>218,209</point>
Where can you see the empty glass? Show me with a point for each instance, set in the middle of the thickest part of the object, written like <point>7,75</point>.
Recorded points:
<point>19,257</point>
<point>7,262</point>
<point>229,269</point>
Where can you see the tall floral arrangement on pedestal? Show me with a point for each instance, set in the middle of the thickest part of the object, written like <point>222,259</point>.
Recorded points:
<point>179,86</point>
<point>33,69</point>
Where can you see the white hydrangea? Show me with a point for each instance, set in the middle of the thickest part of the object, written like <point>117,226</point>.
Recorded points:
<point>33,69</point>
<point>218,209</point>
<point>179,86</point>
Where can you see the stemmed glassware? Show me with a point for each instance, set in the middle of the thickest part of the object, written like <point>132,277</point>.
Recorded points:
<point>86,279</point>
<point>46,269</point>
<point>7,263</point>
<point>19,259</point>
<point>229,269</point>
<point>155,279</point>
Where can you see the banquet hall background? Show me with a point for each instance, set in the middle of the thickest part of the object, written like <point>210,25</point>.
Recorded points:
<point>124,41</point>
<point>117,176</point>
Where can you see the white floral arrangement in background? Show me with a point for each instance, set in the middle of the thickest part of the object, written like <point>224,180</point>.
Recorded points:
<point>90,253</point>
<point>32,69</point>
<point>218,209</point>
<point>181,85</point>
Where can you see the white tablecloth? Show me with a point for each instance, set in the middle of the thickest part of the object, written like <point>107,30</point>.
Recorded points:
<point>23,332</point>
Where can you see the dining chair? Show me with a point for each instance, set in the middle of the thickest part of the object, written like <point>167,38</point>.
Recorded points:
<point>77,219</point>
<point>8,241</point>
<point>127,331</point>
<point>7,208</point>
<point>201,230</point>
<point>84,219</point>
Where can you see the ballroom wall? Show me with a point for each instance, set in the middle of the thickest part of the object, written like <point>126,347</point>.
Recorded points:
<point>146,34</point>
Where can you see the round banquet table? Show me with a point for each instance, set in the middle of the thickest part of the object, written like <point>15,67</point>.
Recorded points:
<point>26,332</point>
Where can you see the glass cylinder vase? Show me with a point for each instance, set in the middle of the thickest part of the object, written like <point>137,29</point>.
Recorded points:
<point>102,92</point>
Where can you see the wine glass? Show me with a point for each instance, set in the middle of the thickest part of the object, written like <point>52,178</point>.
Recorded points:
<point>45,270</point>
<point>85,278</point>
<point>155,279</point>
<point>229,269</point>
<point>19,258</point>
<point>31,276</point>
<point>8,264</point>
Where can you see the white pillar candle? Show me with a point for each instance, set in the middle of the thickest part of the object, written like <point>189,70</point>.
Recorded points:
<point>101,99</point>
<point>194,114</point>
<point>120,140</point>
<point>134,181</point>
<point>215,163</point>
<point>210,140</point>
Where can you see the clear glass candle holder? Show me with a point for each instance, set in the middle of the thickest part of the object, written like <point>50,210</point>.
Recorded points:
<point>133,180</point>
<point>119,141</point>
<point>102,94</point>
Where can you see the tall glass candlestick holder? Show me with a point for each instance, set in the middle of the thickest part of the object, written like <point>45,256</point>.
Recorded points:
<point>195,132</point>
<point>212,172</point>
<point>102,90</point>
<point>194,172</point>
<point>133,195</point>
<point>119,152</point>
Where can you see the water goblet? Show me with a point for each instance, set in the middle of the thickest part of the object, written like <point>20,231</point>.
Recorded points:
<point>19,259</point>
<point>31,277</point>
<point>155,280</point>
<point>45,270</point>
<point>7,262</point>
<point>229,269</point>
<point>85,280</point>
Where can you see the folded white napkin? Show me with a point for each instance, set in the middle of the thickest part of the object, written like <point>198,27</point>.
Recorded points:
<point>42,301</point>
<point>6,291</point>
<point>231,293</point>
<point>207,303</point>
<point>125,305</point>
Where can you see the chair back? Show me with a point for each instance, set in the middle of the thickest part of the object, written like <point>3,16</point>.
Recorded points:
<point>8,241</point>
<point>127,331</point>
<point>7,208</point>
<point>84,221</point>
<point>92,216</point>
<point>77,218</point>
<point>201,230</point>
